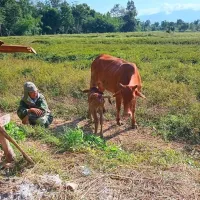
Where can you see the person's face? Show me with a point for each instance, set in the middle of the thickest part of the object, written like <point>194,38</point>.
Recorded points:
<point>33,94</point>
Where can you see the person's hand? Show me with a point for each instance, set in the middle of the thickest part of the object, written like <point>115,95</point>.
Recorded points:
<point>37,111</point>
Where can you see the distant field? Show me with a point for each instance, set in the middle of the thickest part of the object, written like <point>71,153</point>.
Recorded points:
<point>169,65</point>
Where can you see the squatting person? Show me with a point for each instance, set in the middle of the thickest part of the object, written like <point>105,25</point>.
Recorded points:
<point>33,108</point>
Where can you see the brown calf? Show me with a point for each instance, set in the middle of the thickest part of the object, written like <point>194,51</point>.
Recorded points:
<point>96,101</point>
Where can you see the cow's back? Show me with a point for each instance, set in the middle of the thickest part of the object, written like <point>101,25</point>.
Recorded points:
<point>108,71</point>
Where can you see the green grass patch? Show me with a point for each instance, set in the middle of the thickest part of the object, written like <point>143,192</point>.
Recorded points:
<point>169,65</point>
<point>100,154</point>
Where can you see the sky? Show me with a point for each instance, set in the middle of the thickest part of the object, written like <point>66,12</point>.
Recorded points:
<point>144,7</point>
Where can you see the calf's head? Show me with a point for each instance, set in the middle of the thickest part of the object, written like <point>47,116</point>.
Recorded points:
<point>98,94</point>
<point>128,94</point>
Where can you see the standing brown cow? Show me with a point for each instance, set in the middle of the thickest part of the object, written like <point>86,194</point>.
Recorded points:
<point>121,78</point>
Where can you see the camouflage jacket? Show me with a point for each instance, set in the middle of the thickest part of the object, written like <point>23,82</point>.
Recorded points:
<point>40,103</point>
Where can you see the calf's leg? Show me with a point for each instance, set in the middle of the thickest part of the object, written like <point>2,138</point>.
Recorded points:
<point>89,114</point>
<point>101,122</point>
<point>96,121</point>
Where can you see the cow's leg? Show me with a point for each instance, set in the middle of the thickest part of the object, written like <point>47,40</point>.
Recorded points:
<point>101,122</point>
<point>96,121</point>
<point>93,80</point>
<point>118,107</point>
<point>134,124</point>
<point>8,151</point>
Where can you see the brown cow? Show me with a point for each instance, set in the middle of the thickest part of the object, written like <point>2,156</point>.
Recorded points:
<point>96,101</point>
<point>121,78</point>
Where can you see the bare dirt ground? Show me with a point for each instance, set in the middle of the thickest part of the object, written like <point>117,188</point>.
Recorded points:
<point>124,183</point>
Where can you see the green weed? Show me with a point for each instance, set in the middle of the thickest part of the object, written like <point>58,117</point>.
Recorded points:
<point>15,131</point>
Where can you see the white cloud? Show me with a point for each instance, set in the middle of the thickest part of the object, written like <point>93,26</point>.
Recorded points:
<point>169,8</point>
<point>149,11</point>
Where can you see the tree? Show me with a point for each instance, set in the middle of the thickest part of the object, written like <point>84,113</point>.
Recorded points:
<point>80,13</point>
<point>179,22</point>
<point>192,26</point>
<point>55,3</point>
<point>129,20</point>
<point>131,7</point>
<point>147,25</point>
<point>129,24</point>
<point>51,21</point>
<point>164,25</point>
<point>117,11</point>
<point>26,7</point>
<point>10,6</point>
<point>155,26</point>
<point>99,24</point>
<point>66,17</point>
<point>3,2</point>
<point>183,27</point>
<point>27,26</point>
<point>197,24</point>
<point>1,20</point>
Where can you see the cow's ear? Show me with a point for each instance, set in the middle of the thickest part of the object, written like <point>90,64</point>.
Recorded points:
<point>133,87</point>
<point>85,91</point>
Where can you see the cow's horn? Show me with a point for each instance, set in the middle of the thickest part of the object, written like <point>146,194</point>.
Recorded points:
<point>116,93</point>
<point>121,85</point>
<point>140,94</point>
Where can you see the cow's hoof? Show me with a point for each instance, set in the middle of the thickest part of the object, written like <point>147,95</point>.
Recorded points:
<point>135,126</point>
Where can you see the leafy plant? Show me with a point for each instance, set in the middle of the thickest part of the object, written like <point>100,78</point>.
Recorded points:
<point>15,131</point>
<point>94,141</point>
<point>73,139</point>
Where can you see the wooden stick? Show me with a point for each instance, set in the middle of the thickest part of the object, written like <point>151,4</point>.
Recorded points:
<point>10,139</point>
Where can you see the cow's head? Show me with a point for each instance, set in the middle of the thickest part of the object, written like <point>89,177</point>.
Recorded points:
<point>128,94</point>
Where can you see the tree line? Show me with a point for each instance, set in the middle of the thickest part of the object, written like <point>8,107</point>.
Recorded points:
<point>23,17</point>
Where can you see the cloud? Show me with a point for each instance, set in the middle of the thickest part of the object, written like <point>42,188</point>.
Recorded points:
<point>169,8</point>
<point>149,11</point>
